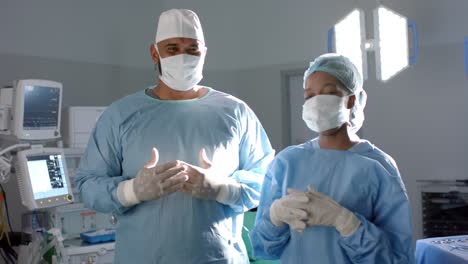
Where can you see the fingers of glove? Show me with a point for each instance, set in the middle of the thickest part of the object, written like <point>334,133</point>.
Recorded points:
<point>184,189</point>
<point>294,213</point>
<point>178,179</point>
<point>317,196</point>
<point>295,202</point>
<point>275,219</point>
<point>193,172</point>
<point>317,220</point>
<point>285,206</point>
<point>297,194</point>
<point>298,225</point>
<point>190,186</point>
<point>294,191</point>
<point>166,166</point>
<point>311,189</point>
<point>169,173</point>
<point>314,193</point>
<point>194,176</point>
<point>322,218</point>
<point>173,188</point>
<point>313,220</point>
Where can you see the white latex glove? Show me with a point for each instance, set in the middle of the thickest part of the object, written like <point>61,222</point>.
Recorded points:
<point>152,181</point>
<point>291,210</point>
<point>324,211</point>
<point>203,184</point>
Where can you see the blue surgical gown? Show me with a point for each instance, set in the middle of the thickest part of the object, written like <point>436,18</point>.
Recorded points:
<point>364,180</point>
<point>177,228</point>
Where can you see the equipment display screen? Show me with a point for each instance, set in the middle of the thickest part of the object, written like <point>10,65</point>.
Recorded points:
<point>41,107</point>
<point>47,176</point>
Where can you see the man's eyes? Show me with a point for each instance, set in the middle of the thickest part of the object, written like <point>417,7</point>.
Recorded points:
<point>195,49</point>
<point>176,49</point>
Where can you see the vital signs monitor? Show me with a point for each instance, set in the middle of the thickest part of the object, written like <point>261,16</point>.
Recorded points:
<point>37,108</point>
<point>42,178</point>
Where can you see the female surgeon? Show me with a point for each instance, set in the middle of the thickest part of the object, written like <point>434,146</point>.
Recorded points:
<point>336,198</point>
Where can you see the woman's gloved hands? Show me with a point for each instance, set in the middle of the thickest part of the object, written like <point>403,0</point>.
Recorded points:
<point>312,208</point>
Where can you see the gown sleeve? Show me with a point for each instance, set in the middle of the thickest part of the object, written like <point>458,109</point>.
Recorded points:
<point>100,171</point>
<point>387,238</point>
<point>268,240</point>
<point>255,154</point>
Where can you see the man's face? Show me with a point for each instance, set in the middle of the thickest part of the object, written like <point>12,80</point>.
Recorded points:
<point>322,83</point>
<point>175,46</point>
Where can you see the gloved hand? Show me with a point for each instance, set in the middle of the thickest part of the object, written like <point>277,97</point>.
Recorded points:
<point>152,181</point>
<point>291,210</point>
<point>324,211</point>
<point>204,184</point>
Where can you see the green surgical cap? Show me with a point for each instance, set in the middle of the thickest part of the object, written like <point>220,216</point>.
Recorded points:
<point>340,67</point>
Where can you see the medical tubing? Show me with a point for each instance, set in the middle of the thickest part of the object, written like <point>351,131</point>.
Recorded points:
<point>12,147</point>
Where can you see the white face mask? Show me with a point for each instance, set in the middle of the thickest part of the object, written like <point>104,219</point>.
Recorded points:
<point>324,112</point>
<point>182,72</point>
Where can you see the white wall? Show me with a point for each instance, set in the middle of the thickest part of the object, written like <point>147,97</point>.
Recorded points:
<point>100,48</point>
<point>440,22</point>
<point>109,32</point>
<point>420,119</point>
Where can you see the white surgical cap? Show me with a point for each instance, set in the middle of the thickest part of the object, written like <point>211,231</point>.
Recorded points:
<point>346,72</point>
<point>179,23</point>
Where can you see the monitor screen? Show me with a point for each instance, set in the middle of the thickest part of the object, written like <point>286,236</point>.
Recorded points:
<point>36,109</point>
<point>47,176</point>
<point>41,107</point>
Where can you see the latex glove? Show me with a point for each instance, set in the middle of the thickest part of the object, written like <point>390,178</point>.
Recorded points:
<point>204,184</point>
<point>152,181</point>
<point>324,211</point>
<point>291,210</point>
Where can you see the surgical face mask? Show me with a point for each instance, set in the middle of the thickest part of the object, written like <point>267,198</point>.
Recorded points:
<point>182,72</point>
<point>324,112</point>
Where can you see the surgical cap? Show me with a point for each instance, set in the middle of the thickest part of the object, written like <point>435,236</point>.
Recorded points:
<point>346,72</point>
<point>179,23</point>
